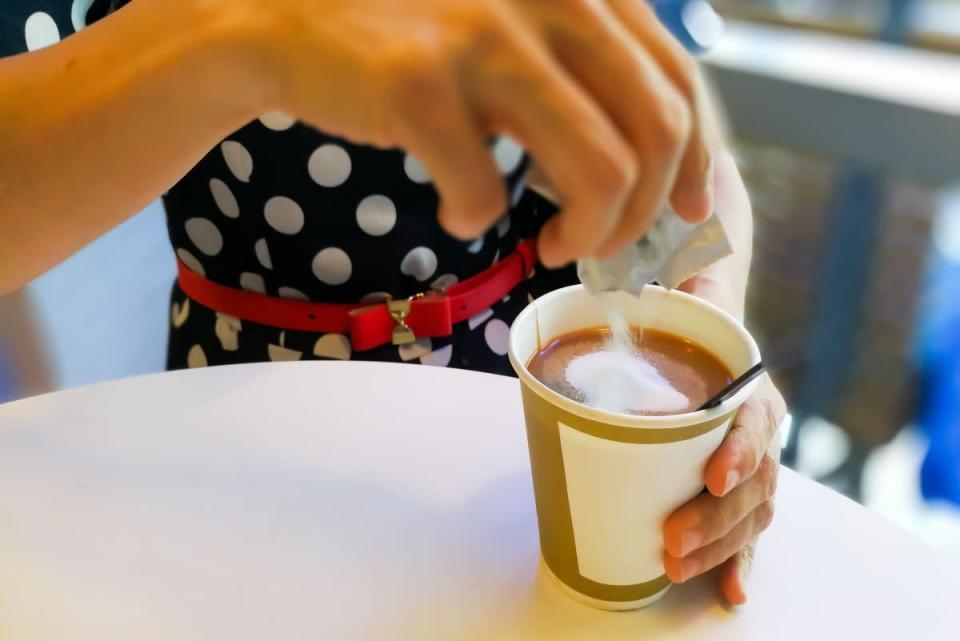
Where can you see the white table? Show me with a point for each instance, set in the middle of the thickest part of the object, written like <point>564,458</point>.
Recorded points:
<point>346,501</point>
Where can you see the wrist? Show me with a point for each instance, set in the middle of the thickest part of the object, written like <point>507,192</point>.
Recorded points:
<point>228,49</point>
<point>721,285</point>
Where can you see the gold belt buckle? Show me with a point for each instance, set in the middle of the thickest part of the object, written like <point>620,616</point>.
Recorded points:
<point>399,311</point>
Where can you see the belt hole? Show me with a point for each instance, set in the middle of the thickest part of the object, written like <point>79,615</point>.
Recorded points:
<point>312,316</point>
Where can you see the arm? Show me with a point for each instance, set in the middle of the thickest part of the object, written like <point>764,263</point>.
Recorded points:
<point>103,122</point>
<point>725,282</point>
<point>97,126</point>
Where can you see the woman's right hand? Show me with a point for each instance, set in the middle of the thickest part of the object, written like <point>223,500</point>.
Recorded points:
<point>596,90</point>
<point>605,100</point>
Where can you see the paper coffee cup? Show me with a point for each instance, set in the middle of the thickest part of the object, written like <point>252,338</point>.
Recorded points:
<point>605,482</point>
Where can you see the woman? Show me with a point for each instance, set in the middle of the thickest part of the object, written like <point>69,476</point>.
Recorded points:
<point>188,99</point>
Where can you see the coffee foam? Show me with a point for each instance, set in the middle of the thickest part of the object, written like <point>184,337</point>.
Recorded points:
<point>621,381</point>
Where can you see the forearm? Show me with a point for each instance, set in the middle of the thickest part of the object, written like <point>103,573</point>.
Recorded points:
<point>725,283</point>
<point>99,125</point>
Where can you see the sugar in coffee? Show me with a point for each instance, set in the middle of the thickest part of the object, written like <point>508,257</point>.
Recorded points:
<point>662,373</point>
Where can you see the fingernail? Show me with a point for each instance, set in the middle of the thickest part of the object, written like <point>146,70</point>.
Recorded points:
<point>733,479</point>
<point>689,568</point>
<point>690,541</point>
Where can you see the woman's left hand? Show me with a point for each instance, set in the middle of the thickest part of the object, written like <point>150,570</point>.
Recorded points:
<point>720,526</point>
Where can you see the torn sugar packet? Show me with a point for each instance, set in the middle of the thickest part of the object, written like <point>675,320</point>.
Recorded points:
<point>672,252</point>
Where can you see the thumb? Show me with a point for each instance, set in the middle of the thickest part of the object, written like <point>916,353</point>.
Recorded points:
<point>735,574</point>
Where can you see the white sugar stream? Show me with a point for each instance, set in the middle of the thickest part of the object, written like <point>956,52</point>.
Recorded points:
<point>618,378</point>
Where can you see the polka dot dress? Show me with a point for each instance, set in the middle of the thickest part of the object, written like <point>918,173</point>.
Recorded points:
<point>281,209</point>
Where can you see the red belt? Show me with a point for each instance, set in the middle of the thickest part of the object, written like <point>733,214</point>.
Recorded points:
<point>431,314</point>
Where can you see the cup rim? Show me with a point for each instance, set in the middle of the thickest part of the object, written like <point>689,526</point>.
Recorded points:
<point>668,421</point>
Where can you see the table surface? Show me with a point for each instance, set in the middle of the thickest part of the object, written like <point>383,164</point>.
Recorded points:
<point>342,501</point>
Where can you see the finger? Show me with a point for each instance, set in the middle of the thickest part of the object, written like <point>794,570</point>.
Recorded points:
<point>578,147</point>
<point>609,62</point>
<point>707,518</point>
<point>735,573</point>
<point>438,129</point>
<point>710,556</point>
<point>692,195</point>
<point>741,452</point>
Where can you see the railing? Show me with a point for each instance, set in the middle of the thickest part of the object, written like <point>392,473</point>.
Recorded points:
<point>882,110</point>
<point>879,105</point>
<point>923,39</point>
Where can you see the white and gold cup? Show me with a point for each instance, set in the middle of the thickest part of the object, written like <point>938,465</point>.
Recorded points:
<point>605,482</point>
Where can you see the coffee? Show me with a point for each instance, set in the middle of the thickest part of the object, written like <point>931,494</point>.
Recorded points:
<point>663,374</point>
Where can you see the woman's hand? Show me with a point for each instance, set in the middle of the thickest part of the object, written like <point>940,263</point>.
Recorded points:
<point>721,526</point>
<point>597,90</point>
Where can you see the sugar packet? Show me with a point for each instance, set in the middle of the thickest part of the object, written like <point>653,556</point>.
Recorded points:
<point>672,252</point>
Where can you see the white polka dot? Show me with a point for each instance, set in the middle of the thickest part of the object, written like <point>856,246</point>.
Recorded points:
<point>290,292</point>
<point>226,201</point>
<point>332,266</point>
<point>78,13</point>
<point>376,215</point>
<point>190,261</point>
<point>508,154</point>
<point>413,351</point>
<point>505,299</point>
<point>335,346</point>
<point>263,253</point>
<point>253,282</point>
<point>281,353</point>
<point>179,313</point>
<point>227,329</point>
<point>443,282</point>
<point>420,263</point>
<point>497,335</point>
<point>40,31</point>
<point>503,226</point>
<point>496,258</point>
<point>205,235</point>
<point>415,170</point>
<point>476,246</point>
<point>284,215</point>
<point>238,159</point>
<point>196,357</point>
<point>277,120</point>
<point>329,166</point>
<point>479,318</point>
<point>438,358</point>
<point>375,297</point>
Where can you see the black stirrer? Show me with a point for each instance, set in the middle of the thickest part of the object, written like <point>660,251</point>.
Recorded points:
<point>739,383</point>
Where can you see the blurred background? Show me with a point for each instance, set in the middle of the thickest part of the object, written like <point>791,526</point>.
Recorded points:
<point>846,115</point>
